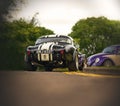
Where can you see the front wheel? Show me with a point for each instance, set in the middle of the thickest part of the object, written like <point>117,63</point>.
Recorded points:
<point>73,65</point>
<point>108,63</point>
<point>81,67</point>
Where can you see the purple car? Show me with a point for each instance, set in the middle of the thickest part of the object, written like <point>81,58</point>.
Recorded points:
<point>110,56</point>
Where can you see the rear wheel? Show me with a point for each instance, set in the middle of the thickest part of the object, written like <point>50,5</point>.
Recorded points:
<point>73,66</point>
<point>108,63</point>
<point>30,67</point>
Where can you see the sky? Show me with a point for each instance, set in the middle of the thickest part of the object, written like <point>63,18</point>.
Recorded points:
<point>61,15</point>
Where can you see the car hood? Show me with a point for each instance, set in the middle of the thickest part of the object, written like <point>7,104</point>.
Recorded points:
<point>97,56</point>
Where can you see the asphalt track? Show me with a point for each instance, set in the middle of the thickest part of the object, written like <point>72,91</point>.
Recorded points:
<point>23,88</point>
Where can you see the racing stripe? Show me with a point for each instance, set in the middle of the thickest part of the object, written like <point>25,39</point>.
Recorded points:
<point>39,51</point>
<point>50,52</point>
<point>48,48</point>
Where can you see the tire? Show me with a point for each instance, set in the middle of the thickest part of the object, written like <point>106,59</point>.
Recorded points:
<point>108,63</point>
<point>48,68</point>
<point>81,67</point>
<point>73,66</point>
<point>30,67</point>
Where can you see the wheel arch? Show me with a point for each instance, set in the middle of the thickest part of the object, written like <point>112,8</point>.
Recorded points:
<point>108,59</point>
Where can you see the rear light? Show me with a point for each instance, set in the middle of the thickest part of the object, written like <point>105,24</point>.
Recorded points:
<point>28,52</point>
<point>62,52</point>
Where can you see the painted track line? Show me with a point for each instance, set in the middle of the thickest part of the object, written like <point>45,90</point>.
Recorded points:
<point>92,75</point>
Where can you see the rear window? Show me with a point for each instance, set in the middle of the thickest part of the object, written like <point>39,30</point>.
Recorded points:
<point>54,39</point>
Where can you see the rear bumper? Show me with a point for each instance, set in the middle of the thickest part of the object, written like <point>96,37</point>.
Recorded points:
<point>55,59</point>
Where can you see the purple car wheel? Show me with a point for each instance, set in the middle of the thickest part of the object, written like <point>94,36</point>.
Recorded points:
<point>108,63</point>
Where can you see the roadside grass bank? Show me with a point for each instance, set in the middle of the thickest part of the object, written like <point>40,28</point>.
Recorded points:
<point>103,70</point>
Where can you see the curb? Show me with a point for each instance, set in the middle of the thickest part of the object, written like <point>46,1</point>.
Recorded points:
<point>102,70</point>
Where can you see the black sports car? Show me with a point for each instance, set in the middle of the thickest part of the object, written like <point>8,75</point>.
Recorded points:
<point>53,51</point>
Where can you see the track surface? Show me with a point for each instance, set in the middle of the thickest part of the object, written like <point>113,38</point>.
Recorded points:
<point>22,88</point>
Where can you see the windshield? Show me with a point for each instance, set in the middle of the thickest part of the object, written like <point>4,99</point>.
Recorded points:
<point>109,50</point>
<point>60,40</point>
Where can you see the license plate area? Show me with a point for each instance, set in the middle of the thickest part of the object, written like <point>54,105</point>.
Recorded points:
<point>44,57</point>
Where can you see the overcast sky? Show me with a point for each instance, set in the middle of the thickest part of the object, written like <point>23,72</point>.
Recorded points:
<point>61,15</point>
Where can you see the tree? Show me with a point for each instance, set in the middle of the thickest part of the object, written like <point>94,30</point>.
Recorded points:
<point>94,34</point>
<point>14,38</point>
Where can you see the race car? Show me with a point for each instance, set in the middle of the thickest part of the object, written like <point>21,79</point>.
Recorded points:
<point>53,51</point>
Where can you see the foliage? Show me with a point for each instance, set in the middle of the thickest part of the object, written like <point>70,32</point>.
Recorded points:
<point>94,34</point>
<point>14,37</point>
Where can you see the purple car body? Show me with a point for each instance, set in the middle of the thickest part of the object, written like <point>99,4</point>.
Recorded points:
<point>110,56</point>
